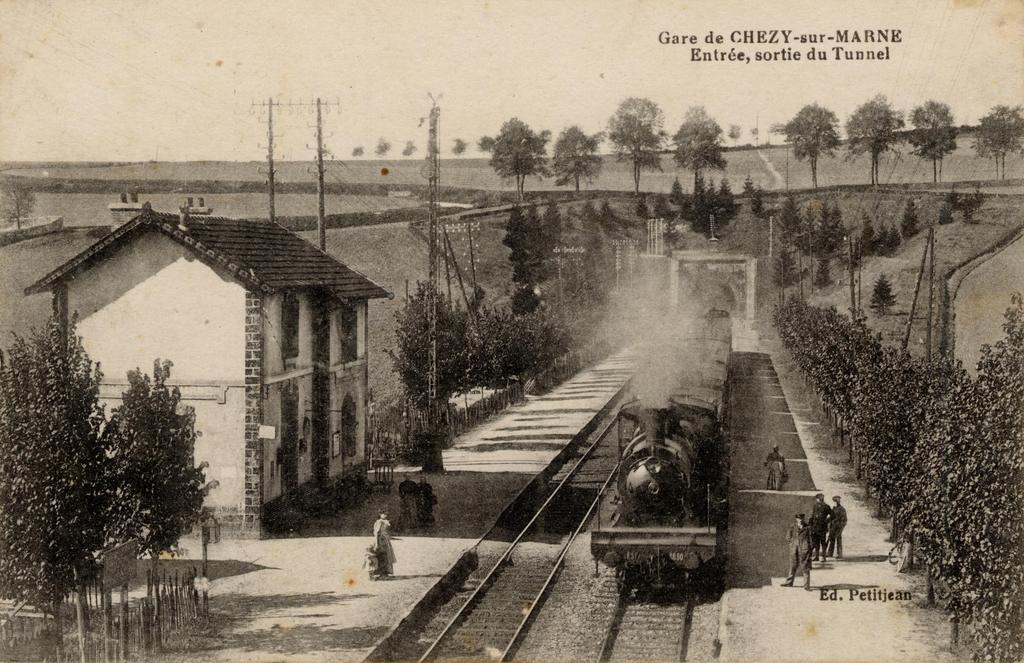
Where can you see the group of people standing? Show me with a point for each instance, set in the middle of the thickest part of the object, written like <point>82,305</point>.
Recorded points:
<point>820,538</point>
<point>418,501</point>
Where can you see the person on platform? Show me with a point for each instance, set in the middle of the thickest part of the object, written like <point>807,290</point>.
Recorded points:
<point>799,541</point>
<point>408,493</point>
<point>835,529</point>
<point>776,465</point>
<point>370,563</point>
<point>426,502</point>
<point>382,543</point>
<point>820,518</point>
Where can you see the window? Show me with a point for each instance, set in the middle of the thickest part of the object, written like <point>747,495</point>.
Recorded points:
<point>290,326</point>
<point>349,425</point>
<point>348,329</point>
<point>335,444</point>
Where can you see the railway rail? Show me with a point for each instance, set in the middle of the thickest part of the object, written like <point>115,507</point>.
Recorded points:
<point>499,612</point>
<point>648,631</point>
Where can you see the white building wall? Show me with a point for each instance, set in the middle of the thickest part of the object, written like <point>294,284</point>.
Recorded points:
<point>152,299</point>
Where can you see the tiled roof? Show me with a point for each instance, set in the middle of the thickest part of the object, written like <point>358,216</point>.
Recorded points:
<point>259,253</point>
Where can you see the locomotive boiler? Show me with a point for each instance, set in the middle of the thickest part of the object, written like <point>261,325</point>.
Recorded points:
<point>665,527</point>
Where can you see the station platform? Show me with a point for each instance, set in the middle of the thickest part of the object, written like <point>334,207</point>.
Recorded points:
<point>843,617</point>
<point>308,598</point>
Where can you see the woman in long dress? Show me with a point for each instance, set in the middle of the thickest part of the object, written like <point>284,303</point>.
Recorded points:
<point>776,469</point>
<point>382,542</point>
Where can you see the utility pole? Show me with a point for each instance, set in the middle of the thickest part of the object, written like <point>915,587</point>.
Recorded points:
<point>269,105</point>
<point>931,291</point>
<point>852,267</point>
<point>771,234</point>
<point>321,229</point>
<point>917,289</point>
<point>434,460</point>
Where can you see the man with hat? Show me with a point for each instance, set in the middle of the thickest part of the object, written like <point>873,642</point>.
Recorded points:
<point>835,529</point>
<point>820,518</point>
<point>799,551</point>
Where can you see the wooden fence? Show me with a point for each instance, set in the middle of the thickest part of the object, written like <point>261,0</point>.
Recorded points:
<point>127,630</point>
<point>393,430</point>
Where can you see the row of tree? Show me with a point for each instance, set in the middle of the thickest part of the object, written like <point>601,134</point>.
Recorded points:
<point>637,136</point>
<point>943,452</point>
<point>73,480</point>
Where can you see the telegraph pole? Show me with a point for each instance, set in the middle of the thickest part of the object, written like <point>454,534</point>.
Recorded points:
<point>321,228</point>
<point>434,461</point>
<point>269,105</point>
<point>931,290</point>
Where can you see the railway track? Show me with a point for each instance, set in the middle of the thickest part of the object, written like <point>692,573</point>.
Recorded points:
<point>496,616</point>
<point>648,631</point>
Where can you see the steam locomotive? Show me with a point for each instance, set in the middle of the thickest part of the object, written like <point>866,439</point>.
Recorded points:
<point>666,526</point>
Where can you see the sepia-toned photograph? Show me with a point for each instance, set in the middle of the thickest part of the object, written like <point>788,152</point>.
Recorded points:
<point>594,331</point>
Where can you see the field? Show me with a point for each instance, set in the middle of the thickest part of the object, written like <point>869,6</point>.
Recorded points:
<point>768,167</point>
<point>88,209</point>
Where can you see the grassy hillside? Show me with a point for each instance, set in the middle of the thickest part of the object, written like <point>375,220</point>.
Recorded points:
<point>955,243</point>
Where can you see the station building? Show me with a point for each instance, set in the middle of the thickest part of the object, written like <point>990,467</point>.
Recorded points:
<point>267,335</point>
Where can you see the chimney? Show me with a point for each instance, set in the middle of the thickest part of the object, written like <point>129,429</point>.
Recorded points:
<point>123,211</point>
<point>197,210</point>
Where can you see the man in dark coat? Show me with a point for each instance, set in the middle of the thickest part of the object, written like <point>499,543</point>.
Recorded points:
<point>408,493</point>
<point>820,518</point>
<point>426,502</point>
<point>835,529</point>
<point>799,539</point>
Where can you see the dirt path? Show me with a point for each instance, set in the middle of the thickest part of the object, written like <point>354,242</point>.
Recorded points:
<point>778,181</point>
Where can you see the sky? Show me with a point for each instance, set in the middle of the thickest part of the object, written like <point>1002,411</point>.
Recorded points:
<point>128,81</point>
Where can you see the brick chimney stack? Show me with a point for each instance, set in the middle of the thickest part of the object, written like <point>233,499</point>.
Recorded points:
<point>197,210</point>
<point>126,209</point>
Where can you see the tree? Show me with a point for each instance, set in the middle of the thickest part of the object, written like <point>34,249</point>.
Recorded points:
<point>785,268</point>
<point>459,147</point>
<point>160,491</point>
<point>881,296</point>
<point>698,143</point>
<point>934,135</point>
<point>636,133</point>
<point>575,157</point>
<point>790,223</point>
<point>661,209</point>
<point>54,478</point>
<point>945,214</point>
<point>1000,132</point>
<point>873,128</point>
<point>676,195</point>
<point>412,358</point>
<point>607,218</point>
<point>868,238</point>
<point>529,253</point>
<point>589,217</point>
<point>519,153</point>
<point>16,201</point>
<point>888,241</point>
<point>967,205</point>
<point>823,275</point>
<point>485,144</point>
<point>755,194</point>
<point>409,149</point>
<point>357,151</point>
<point>383,147</point>
<point>813,132</point>
<point>830,231</point>
<point>908,224</point>
<point>734,133</point>
<point>641,210</point>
